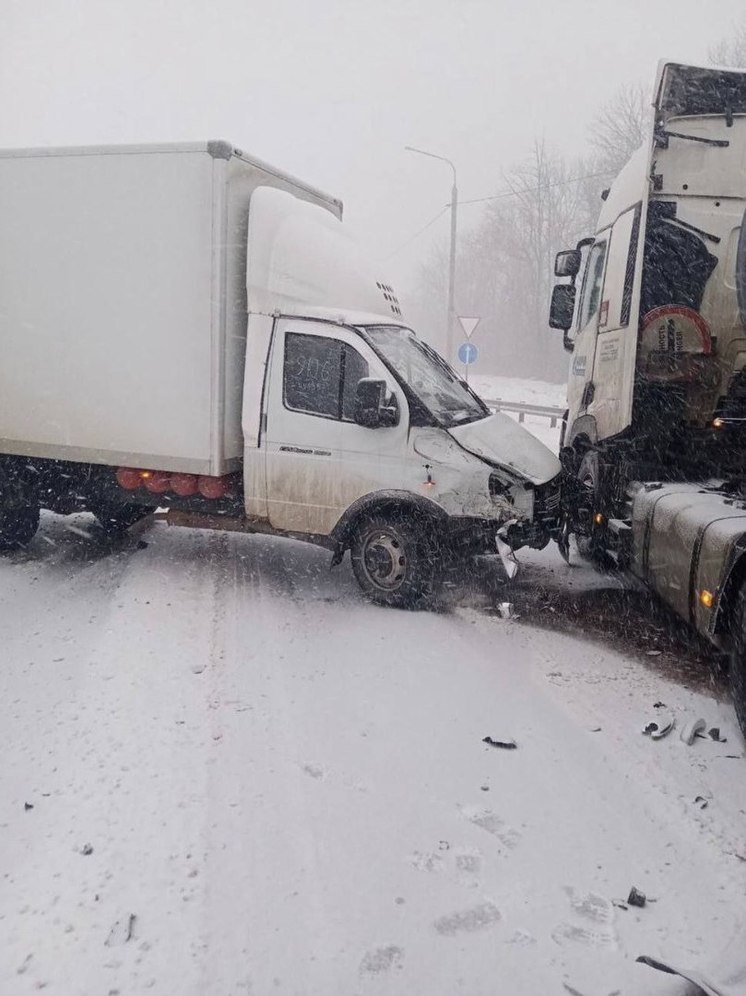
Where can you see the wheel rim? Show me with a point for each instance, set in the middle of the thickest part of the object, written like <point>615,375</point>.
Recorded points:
<point>384,560</point>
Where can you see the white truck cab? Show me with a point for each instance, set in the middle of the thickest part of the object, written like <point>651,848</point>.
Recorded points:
<point>659,328</point>
<point>254,374</point>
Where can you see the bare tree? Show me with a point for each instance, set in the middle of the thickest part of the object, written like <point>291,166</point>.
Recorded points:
<point>731,51</point>
<point>621,127</point>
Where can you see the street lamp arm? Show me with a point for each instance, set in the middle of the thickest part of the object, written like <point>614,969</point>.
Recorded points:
<point>432,155</point>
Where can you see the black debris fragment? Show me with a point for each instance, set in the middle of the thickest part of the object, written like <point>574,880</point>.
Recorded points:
<point>714,733</point>
<point>142,545</point>
<point>636,898</point>
<point>28,805</point>
<point>701,802</point>
<point>503,744</point>
<point>86,849</point>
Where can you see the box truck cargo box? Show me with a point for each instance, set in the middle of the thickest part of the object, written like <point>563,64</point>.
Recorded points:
<point>123,306</point>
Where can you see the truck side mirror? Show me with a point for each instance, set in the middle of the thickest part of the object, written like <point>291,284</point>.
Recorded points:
<point>567,263</point>
<point>562,307</point>
<point>371,408</point>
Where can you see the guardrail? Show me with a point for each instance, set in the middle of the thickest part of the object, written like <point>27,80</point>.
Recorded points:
<point>543,411</point>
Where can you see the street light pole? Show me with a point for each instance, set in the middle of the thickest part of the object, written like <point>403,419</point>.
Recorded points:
<point>451,318</point>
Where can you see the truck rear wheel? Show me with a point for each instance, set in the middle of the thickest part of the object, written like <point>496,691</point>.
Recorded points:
<point>395,560</point>
<point>738,658</point>
<point>18,524</point>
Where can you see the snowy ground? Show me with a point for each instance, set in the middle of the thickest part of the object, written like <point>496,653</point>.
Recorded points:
<point>525,391</point>
<point>224,773</point>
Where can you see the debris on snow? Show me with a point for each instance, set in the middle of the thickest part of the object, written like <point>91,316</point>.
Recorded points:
<point>86,849</point>
<point>506,610</point>
<point>714,733</point>
<point>504,744</point>
<point>122,931</point>
<point>27,806</point>
<point>659,727</point>
<point>636,898</point>
<point>691,730</point>
<point>701,802</point>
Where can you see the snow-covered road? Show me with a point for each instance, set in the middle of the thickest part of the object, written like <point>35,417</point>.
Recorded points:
<point>224,773</point>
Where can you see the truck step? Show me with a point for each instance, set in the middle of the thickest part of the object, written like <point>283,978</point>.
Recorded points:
<point>620,527</point>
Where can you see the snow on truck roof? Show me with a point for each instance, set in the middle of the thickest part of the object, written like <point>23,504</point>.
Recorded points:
<point>217,148</point>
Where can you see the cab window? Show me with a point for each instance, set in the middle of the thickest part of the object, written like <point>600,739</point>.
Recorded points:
<point>593,283</point>
<point>320,376</point>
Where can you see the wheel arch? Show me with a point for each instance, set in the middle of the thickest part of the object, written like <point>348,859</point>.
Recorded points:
<point>735,579</point>
<point>381,502</point>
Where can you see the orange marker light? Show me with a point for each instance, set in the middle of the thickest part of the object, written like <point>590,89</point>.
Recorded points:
<point>718,423</point>
<point>706,598</point>
<point>599,518</point>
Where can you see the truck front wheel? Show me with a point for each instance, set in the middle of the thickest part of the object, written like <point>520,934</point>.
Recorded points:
<point>18,524</point>
<point>738,658</point>
<point>395,559</point>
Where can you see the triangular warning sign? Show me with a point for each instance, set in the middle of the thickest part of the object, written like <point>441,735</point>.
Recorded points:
<point>468,325</point>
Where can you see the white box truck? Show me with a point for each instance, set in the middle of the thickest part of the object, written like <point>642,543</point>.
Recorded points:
<point>185,327</point>
<point>654,443</point>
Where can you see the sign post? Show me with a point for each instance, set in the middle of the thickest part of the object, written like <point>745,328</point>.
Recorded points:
<point>467,353</point>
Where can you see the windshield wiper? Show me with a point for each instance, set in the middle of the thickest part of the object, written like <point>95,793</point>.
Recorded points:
<point>662,135</point>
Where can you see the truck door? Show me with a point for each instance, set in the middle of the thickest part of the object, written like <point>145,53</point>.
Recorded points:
<point>580,381</point>
<point>602,370</point>
<point>616,335</point>
<point>318,460</point>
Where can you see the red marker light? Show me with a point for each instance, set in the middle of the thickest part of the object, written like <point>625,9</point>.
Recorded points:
<point>184,485</point>
<point>128,478</point>
<point>156,482</point>
<point>212,487</point>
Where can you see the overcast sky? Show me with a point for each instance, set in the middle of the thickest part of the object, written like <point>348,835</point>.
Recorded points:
<point>332,90</point>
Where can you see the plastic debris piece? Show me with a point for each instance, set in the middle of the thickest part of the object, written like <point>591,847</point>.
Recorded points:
<point>659,727</point>
<point>86,849</point>
<point>701,802</point>
<point>636,898</point>
<point>691,730</point>
<point>504,744</point>
<point>443,845</point>
<point>619,904</point>
<point>506,610</point>
<point>714,733</point>
<point>659,705</point>
<point>505,551</point>
<point>653,653</point>
<point>27,806</point>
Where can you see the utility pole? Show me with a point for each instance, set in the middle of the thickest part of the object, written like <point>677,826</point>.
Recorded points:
<point>451,307</point>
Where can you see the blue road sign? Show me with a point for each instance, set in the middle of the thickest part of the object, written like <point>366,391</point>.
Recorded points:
<point>467,353</point>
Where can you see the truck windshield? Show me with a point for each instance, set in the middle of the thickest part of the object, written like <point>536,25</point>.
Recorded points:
<point>436,385</point>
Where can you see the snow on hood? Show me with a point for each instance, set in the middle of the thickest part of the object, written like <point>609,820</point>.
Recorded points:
<point>501,441</point>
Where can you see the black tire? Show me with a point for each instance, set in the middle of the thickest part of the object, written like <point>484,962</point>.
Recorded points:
<point>18,525</point>
<point>115,520</point>
<point>738,657</point>
<point>589,480</point>
<point>395,559</point>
